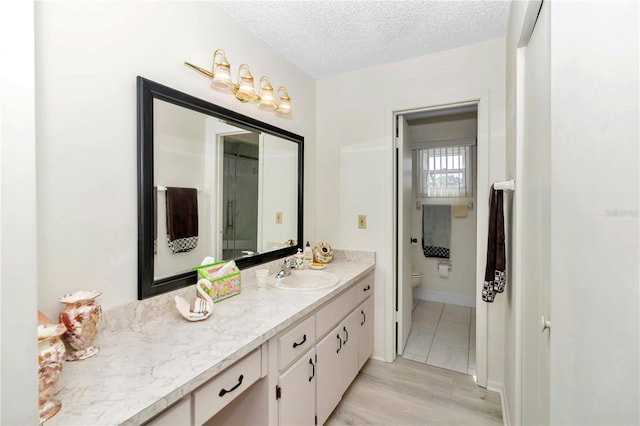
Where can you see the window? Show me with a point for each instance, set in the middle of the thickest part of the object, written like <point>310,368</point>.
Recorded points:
<point>445,171</point>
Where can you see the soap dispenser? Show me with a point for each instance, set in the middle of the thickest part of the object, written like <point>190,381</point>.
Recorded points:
<point>308,255</point>
<point>299,259</point>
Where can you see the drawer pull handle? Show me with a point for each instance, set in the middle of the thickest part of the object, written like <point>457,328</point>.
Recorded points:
<point>296,344</point>
<point>224,391</point>
<point>367,288</point>
<point>340,341</point>
<point>313,369</point>
<point>346,335</point>
<point>364,317</point>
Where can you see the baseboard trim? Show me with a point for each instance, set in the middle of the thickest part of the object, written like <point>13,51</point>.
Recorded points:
<point>496,386</point>
<point>445,297</point>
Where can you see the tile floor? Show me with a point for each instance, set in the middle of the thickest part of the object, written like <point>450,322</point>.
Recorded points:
<point>443,335</point>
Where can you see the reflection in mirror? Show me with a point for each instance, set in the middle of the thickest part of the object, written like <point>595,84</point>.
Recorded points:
<point>239,196</point>
<point>242,181</point>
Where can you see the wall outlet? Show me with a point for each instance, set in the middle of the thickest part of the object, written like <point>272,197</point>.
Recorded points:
<point>279,217</point>
<point>362,221</point>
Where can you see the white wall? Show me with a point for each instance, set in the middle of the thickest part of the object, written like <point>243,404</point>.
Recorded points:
<point>354,113</point>
<point>18,347</point>
<point>459,286</point>
<point>88,55</point>
<point>595,187</point>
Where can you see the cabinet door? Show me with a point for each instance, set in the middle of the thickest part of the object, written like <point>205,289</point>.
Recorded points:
<point>328,380</point>
<point>297,402</point>
<point>365,334</point>
<point>337,365</point>
<point>349,353</point>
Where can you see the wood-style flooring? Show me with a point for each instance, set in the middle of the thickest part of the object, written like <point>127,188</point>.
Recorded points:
<point>406,392</point>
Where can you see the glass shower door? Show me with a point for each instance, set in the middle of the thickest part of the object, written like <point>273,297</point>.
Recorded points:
<point>240,200</point>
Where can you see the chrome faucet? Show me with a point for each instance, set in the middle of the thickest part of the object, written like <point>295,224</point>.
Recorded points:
<point>288,265</point>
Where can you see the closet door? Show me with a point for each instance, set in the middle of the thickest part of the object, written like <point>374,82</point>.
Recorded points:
<point>535,190</point>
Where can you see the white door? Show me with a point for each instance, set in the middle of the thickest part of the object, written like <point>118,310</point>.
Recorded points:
<point>404,292</point>
<point>535,190</point>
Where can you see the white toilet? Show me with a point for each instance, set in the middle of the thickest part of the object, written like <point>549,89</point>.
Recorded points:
<point>416,279</point>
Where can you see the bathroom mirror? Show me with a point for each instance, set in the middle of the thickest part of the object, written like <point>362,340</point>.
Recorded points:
<point>244,176</point>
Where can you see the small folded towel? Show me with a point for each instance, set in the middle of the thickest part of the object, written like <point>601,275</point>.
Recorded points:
<point>436,230</point>
<point>459,210</point>
<point>182,219</point>
<point>494,275</point>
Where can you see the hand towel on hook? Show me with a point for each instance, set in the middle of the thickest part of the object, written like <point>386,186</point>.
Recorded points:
<point>494,275</point>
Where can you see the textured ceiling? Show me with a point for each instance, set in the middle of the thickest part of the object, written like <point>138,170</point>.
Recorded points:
<point>326,38</point>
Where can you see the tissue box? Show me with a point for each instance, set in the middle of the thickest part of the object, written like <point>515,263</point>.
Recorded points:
<point>221,287</point>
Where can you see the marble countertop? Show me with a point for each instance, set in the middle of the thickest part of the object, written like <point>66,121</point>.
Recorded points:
<point>149,360</point>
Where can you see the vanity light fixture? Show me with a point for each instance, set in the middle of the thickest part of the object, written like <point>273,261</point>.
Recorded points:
<point>245,90</point>
<point>284,105</point>
<point>267,100</point>
<point>221,72</point>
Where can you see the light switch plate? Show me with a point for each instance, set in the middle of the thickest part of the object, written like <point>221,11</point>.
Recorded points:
<point>279,217</point>
<point>362,221</point>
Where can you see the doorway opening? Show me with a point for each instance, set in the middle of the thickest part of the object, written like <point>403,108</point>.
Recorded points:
<point>240,195</point>
<point>437,217</point>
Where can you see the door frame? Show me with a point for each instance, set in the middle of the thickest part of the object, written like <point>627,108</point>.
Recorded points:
<point>446,100</point>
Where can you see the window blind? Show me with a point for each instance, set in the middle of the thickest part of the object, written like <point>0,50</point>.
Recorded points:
<point>445,171</point>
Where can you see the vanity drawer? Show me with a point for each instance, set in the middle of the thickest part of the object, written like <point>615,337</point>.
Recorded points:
<point>366,286</point>
<point>224,388</point>
<point>178,414</point>
<point>336,310</point>
<point>296,341</point>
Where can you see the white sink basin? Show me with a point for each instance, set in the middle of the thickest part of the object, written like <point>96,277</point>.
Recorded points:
<point>304,280</point>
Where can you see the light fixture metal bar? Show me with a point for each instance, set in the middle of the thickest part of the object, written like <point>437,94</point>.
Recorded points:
<point>200,70</point>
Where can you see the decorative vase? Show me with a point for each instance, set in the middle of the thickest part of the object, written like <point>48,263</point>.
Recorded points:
<point>322,253</point>
<point>81,315</point>
<point>51,356</point>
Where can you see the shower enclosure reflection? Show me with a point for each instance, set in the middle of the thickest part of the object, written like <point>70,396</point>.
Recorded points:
<point>240,195</point>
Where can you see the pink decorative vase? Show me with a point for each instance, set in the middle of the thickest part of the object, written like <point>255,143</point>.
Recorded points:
<point>51,356</point>
<point>81,315</point>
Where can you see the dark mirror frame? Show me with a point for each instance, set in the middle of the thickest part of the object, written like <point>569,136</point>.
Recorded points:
<point>147,91</point>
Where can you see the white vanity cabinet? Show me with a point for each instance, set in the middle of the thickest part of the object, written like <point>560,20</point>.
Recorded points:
<point>336,340</point>
<point>263,358</point>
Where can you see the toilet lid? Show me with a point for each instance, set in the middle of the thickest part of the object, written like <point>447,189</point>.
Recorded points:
<point>416,274</point>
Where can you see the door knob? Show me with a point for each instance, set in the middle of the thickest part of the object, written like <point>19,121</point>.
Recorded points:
<point>544,324</point>
<point>413,241</point>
